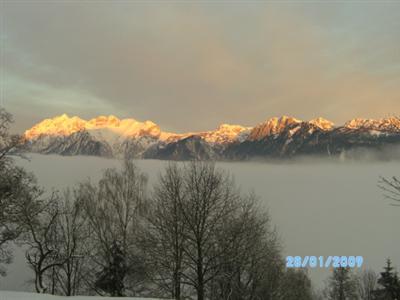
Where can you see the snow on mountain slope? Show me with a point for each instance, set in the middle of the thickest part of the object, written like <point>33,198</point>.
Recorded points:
<point>57,126</point>
<point>8,295</point>
<point>106,135</point>
<point>276,125</point>
<point>322,123</point>
<point>207,145</point>
<point>123,138</point>
<point>108,128</point>
<point>226,133</point>
<point>388,124</point>
<point>271,126</point>
<point>112,137</point>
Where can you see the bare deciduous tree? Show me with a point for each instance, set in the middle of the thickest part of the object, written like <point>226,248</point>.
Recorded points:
<point>39,218</point>
<point>255,267</point>
<point>205,235</point>
<point>296,285</point>
<point>367,283</point>
<point>342,285</point>
<point>391,188</point>
<point>114,208</point>
<point>72,236</point>
<point>8,142</point>
<point>16,186</point>
<point>164,239</point>
<point>209,205</point>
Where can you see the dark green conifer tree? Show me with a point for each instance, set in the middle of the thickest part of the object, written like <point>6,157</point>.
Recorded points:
<point>389,284</point>
<point>111,278</point>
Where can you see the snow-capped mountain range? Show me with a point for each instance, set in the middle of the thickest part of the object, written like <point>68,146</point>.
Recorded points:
<point>277,137</point>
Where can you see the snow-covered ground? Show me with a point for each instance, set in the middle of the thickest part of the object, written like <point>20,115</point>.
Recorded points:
<point>6,295</point>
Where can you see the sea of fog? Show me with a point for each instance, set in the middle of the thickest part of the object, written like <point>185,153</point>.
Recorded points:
<point>319,207</point>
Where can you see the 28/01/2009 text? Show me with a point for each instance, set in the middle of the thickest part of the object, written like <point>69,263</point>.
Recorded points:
<point>324,261</point>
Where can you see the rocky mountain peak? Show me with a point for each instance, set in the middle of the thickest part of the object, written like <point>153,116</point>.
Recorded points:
<point>272,126</point>
<point>61,125</point>
<point>105,121</point>
<point>225,133</point>
<point>64,126</point>
<point>279,136</point>
<point>322,123</point>
<point>386,124</point>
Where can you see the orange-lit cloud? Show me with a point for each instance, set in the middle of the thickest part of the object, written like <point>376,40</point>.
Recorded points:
<point>200,63</point>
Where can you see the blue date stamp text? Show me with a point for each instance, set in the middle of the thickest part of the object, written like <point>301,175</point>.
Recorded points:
<point>324,261</point>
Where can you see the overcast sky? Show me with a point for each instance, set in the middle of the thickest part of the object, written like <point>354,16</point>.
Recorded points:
<point>193,66</point>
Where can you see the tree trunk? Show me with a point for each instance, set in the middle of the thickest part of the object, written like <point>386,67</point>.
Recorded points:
<point>40,289</point>
<point>200,282</point>
<point>200,291</point>
<point>177,286</point>
<point>200,275</point>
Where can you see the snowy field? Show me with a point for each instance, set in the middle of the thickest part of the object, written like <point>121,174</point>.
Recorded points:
<point>6,295</point>
<point>319,207</point>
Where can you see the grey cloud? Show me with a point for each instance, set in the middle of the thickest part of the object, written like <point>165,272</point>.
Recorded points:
<point>189,67</point>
